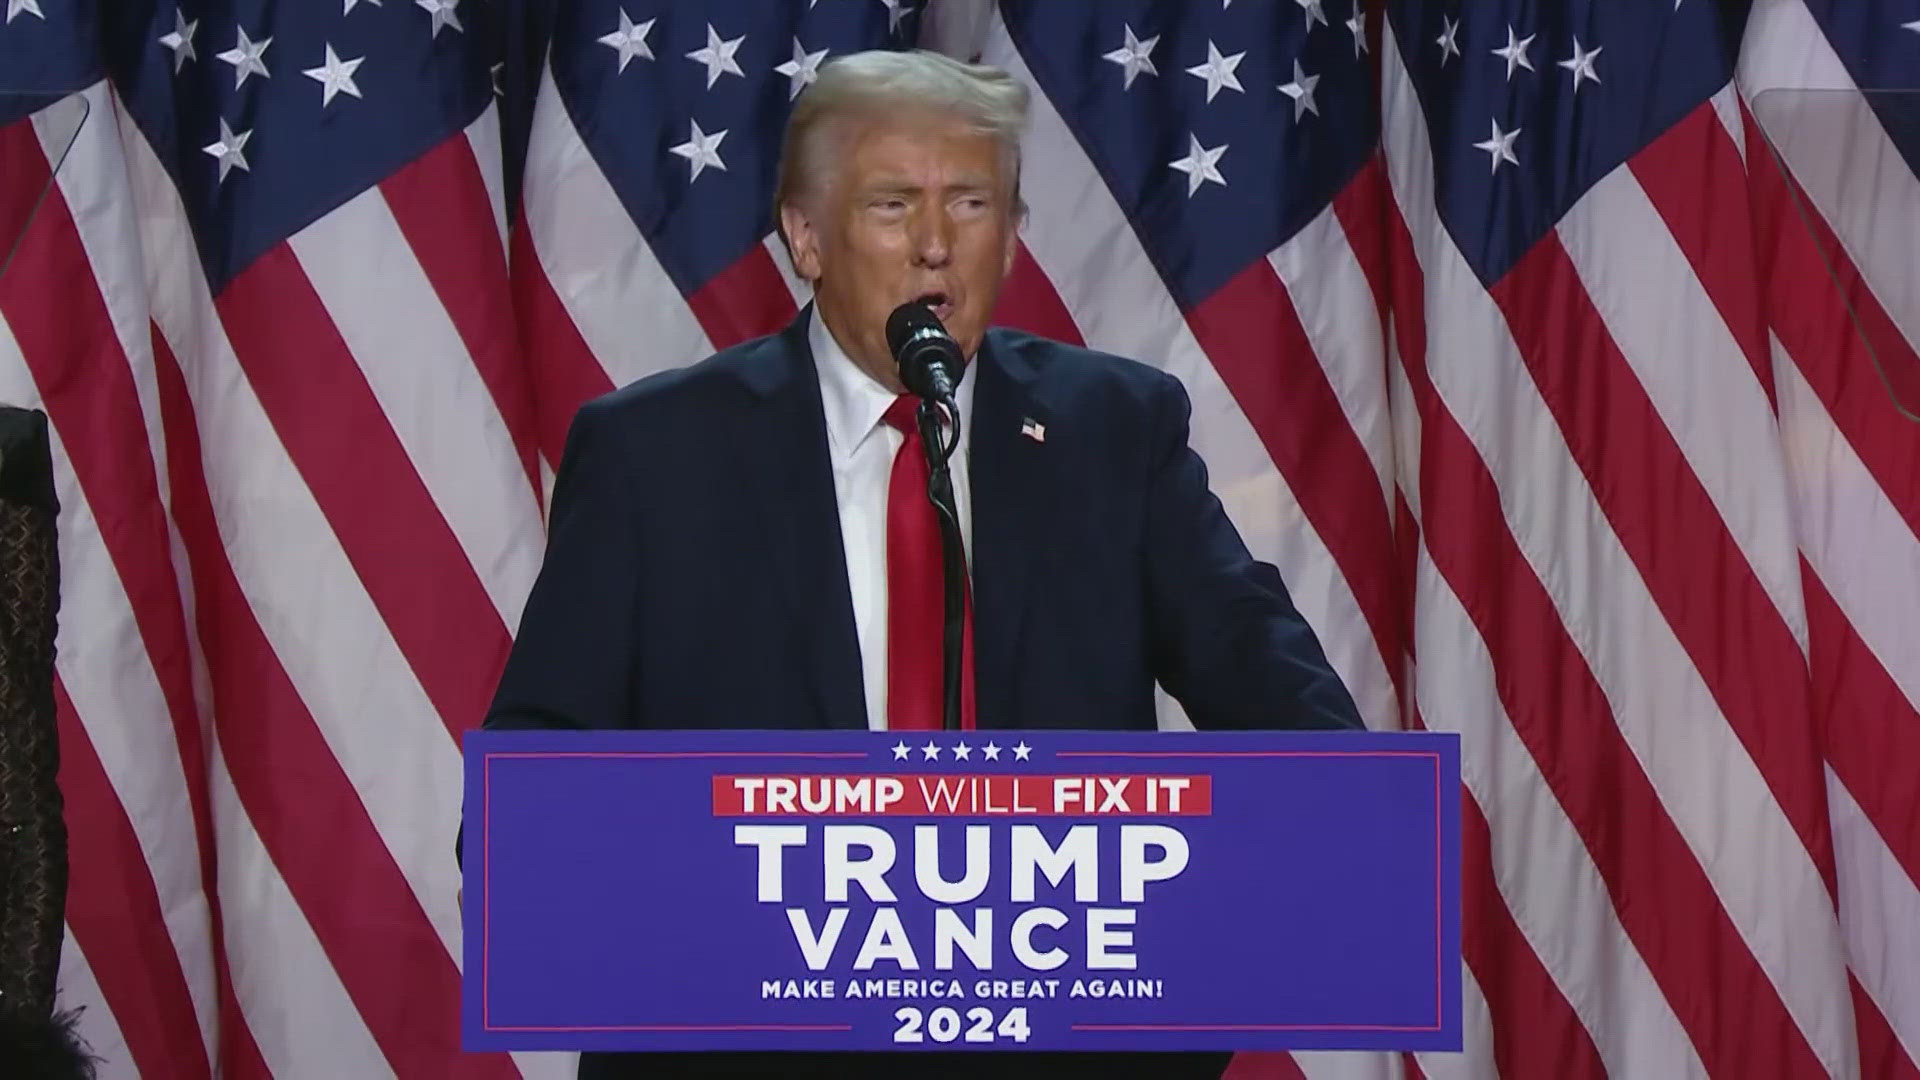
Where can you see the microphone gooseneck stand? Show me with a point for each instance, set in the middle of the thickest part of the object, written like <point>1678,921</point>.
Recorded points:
<point>939,451</point>
<point>930,363</point>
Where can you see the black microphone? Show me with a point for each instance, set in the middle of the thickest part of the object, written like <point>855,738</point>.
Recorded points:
<point>929,358</point>
<point>930,365</point>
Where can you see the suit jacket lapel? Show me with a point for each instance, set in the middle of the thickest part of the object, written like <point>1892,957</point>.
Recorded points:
<point>1009,471</point>
<point>783,446</point>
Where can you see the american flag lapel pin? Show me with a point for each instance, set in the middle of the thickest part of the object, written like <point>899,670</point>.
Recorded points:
<point>1033,429</point>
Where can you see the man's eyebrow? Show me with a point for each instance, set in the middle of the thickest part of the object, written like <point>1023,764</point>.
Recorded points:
<point>892,186</point>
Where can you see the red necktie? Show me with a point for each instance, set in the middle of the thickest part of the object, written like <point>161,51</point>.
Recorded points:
<point>916,594</point>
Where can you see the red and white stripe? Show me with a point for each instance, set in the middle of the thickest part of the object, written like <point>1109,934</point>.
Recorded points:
<point>1607,522</point>
<point>1084,256</point>
<point>258,690</point>
<point>599,309</point>
<point>1292,449</point>
<point>80,991</point>
<point>137,803</point>
<point>1843,303</point>
<point>1532,995</point>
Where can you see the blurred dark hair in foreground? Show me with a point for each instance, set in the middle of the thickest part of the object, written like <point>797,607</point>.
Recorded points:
<point>43,1048</point>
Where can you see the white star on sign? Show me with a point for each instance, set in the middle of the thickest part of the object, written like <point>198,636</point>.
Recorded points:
<point>900,751</point>
<point>31,7</point>
<point>931,751</point>
<point>894,14</point>
<point>1218,70</point>
<point>1449,33</point>
<point>1913,26</point>
<point>1313,12</point>
<point>718,56</point>
<point>443,14</point>
<point>336,76</point>
<point>352,3</point>
<point>1301,91</point>
<point>181,40</point>
<point>247,59</point>
<point>992,751</point>
<point>1515,53</point>
<point>1358,25</point>
<point>1500,146</point>
<point>1201,165</point>
<point>630,40</point>
<point>1134,57</point>
<point>963,752</point>
<point>802,69</point>
<point>230,149</point>
<point>1021,751</point>
<point>1581,64</point>
<point>701,149</point>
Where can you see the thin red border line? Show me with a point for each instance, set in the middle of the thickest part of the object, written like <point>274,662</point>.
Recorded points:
<point>683,1027</point>
<point>1245,753</point>
<point>1439,945</point>
<point>1248,1027</point>
<point>486,859</point>
<point>486,893</point>
<point>544,754</point>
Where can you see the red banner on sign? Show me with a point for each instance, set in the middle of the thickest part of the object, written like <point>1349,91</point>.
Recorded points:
<point>1114,795</point>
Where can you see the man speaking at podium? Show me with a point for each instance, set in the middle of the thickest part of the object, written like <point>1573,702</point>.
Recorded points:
<point>749,542</point>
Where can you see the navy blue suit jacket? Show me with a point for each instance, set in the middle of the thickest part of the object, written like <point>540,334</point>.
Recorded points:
<point>695,576</point>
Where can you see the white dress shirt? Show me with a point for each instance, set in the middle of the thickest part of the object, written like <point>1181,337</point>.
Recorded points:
<point>862,447</point>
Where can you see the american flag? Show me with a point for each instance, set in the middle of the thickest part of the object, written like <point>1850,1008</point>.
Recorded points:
<point>1632,429</point>
<point>1509,342</point>
<point>266,307</point>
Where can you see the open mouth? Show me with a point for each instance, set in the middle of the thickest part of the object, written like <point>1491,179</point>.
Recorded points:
<point>940,303</point>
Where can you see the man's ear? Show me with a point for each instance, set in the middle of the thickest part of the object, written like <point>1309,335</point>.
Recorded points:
<point>802,241</point>
<point>1013,231</point>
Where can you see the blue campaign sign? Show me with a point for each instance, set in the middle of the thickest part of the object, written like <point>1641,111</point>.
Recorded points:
<point>991,890</point>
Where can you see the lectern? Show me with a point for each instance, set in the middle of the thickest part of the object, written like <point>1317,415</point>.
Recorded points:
<point>979,890</point>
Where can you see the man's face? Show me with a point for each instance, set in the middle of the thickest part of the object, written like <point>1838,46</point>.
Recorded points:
<point>918,208</point>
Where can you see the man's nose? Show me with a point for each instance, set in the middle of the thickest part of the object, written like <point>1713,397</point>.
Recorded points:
<point>933,238</point>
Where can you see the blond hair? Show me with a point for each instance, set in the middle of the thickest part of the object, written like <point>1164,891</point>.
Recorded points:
<point>881,82</point>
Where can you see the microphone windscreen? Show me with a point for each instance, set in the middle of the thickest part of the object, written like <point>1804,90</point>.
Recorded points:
<point>908,320</point>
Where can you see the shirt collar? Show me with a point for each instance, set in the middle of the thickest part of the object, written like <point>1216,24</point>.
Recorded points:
<point>853,401</point>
